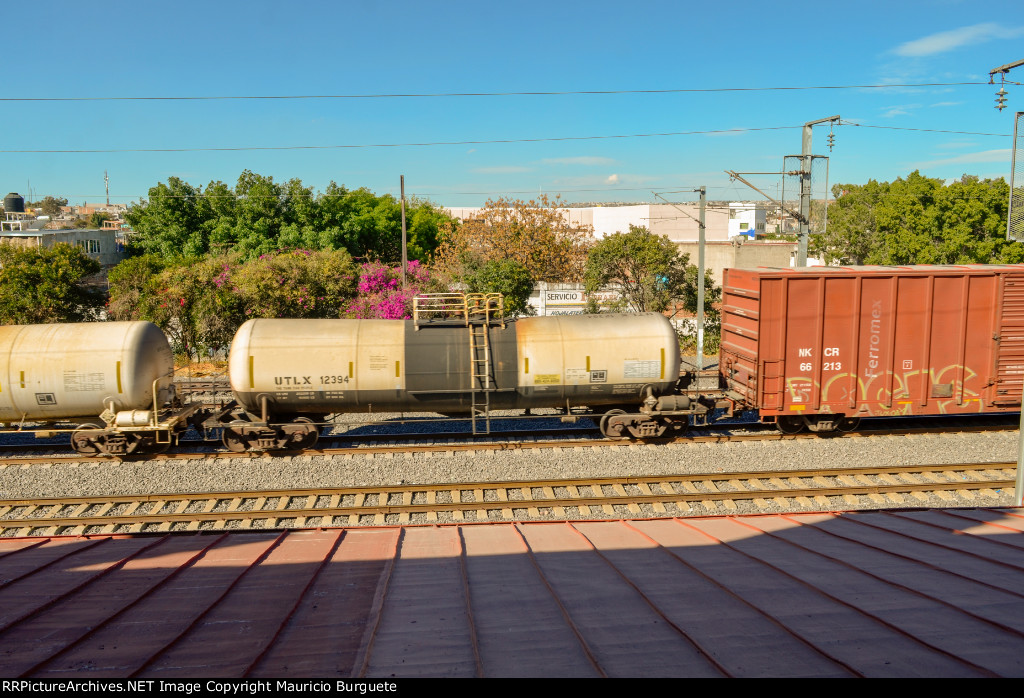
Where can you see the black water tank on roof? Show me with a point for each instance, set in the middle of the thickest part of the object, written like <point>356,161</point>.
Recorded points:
<point>14,203</point>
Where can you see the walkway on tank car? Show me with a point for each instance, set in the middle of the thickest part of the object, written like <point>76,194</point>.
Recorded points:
<point>900,593</point>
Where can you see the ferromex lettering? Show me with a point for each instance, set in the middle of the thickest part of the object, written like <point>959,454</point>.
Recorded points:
<point>874,339</point>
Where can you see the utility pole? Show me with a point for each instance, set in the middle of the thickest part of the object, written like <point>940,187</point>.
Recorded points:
<point>106,183</point>
<point>701,234</point>
<point>805,190</point>
<point>405,252</point>
<point>700,277</point>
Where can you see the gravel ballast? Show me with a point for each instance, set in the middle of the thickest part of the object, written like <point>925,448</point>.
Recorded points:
<point>102,478</point>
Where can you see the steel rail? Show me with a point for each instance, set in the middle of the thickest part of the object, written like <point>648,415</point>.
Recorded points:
<point>275,506</point>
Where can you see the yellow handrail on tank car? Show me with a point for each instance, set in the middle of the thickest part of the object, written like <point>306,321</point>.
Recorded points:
<point>468,307</point>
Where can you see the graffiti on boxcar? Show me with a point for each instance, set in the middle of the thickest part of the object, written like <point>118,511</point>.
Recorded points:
<point>944,385</point>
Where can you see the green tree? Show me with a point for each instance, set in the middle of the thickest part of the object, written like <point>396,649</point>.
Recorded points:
<point>44,285</point>
<point>652,276</point>
<point>296,284</point>
<point>537,234</point>
<point>51,205</point>
<point>852,231</point>
<point>96,219</point>
<point>918,220</point>
<point>170,222</point>
<point>201,302</point>
<point>133,286</point>
<point>507,277</point>
<point>260,216</point>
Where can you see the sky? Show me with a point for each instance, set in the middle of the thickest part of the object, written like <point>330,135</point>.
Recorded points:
<point>642,101</point>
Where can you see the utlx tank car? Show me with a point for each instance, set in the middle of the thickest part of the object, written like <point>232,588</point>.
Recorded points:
<point>457,356</point>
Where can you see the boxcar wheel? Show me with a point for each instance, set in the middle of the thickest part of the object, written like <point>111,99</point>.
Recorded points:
<point>848,423</point>
<point>790,425</point>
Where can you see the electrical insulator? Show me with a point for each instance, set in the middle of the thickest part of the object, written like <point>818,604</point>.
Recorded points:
<point>1001,99</point>
<point>831,140</point>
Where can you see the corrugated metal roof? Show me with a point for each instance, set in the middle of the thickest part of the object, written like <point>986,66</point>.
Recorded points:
<point>897,593</point>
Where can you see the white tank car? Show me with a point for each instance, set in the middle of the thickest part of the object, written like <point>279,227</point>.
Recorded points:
<point>292,367</point>
<point>63,371</point>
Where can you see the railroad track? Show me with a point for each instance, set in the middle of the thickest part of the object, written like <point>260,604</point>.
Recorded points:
<point>426,442</point>
<point>617,497</point>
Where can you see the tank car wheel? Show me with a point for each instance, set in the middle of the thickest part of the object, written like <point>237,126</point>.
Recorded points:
<point>615,431</point>
<point>80,444</point>
<point>790,425</point>
<point>847,424</point>
<point>157,447</point>
<point>307,439</point>
<point>233,441</point>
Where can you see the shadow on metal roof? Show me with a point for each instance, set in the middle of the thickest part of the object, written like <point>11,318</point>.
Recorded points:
<point>898,593</point>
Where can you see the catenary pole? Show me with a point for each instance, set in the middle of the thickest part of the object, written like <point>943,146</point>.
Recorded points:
<point>805,189</point>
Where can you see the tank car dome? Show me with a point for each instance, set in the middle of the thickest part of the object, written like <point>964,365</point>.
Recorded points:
<point>14,203</point>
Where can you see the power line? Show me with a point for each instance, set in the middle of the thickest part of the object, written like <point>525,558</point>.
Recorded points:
<point>924,130</point>
<point>473,142</point>
<point>396,145</point>
<point>553,93</point>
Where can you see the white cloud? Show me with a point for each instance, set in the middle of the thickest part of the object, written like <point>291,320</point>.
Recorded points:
<point>899,110</point>
<point>614,179</point>
<point>581,160</point>
<point>1002,155</point>
<point>955,38</point>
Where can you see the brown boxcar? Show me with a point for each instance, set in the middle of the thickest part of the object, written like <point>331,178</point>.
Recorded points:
<point>823,346</point>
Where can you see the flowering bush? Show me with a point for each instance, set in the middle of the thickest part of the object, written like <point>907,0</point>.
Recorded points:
<point>381,294</point>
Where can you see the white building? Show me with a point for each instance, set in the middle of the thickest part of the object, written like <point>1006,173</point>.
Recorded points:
<point>677,222</point>
<point>746,219</point>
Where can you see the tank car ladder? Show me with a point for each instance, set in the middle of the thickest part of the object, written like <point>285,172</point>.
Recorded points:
<point>480,308</point>
<point>478,311</point>
<point>480,376</point>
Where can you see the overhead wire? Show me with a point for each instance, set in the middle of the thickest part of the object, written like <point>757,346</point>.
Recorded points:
<point>533,93</point>
<point>475,142</point>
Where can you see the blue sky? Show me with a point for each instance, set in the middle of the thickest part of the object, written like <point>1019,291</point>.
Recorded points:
<point>500,144</point>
